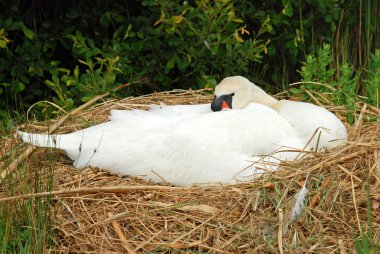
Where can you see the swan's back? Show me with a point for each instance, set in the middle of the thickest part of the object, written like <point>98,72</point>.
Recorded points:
<point>307,118</point>
<point>210,147</point>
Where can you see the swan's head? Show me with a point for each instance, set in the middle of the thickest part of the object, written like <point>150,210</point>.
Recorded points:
<point>237,92</point>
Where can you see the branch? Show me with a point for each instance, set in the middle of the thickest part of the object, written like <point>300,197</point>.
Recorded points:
<point>91,190</point>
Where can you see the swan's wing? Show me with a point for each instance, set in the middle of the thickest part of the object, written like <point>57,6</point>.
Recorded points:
<point>180,110</point>
<point>123,123</point>
<point>157,112</point>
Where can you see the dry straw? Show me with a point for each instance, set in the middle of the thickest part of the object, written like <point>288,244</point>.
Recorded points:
<point>95,212</point>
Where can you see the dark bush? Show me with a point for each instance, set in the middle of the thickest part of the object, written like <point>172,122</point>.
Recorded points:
<point>69,51</point>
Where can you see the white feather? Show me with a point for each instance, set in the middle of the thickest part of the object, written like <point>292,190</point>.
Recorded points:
<point>299,204</point>
<point>297,208</point>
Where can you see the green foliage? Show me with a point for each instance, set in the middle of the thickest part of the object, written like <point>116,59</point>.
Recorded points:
<point>98,47</point>
<point>368,242</point>
<point>342,85</point>
<point>217,40</point>
<point>25,225</point>
<point>3,39</point>
<point>317,68</point>
<point>69,52</point>
<point>26,230</point>
<point>372,81</point>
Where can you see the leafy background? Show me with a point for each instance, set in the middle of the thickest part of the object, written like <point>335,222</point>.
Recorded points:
<point>69,51</point>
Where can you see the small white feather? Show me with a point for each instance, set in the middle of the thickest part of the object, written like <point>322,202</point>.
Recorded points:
<point>299,204</point>
<point>297,209</point>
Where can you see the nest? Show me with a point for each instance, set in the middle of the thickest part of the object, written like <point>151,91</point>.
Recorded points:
<point>95,212</point>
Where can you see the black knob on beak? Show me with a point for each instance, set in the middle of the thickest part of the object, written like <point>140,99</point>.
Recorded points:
<point>222,102</point>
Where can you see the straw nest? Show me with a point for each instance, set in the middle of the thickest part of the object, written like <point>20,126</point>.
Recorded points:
<point>95,212</point>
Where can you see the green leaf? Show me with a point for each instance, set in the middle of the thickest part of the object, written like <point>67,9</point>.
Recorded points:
<point>67,71</point>
<point>35,70</point>
<point>28,33</point>
<point>105,19</point>
<point>76,72</point>
<point>68,82</point>
<point>205,42</point>
<point>238,20</point>
<point>49,83</point>
<point>79,37</point>
<point>14,25</point>
<point>69,103</point>
<point>169,65</point>
<point>86,98</point>
<point>55,80</point>
<point>3,44</point>
<point>110,78</point>
<point>210,81</point>
<point>288,8</point>
<point>294,90</point>
<point>91,43</point>
<point>215,50</point>
<point>18,86</point>
<point>85,63</point>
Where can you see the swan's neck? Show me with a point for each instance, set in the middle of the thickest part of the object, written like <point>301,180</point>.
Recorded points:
<point>260,96</point>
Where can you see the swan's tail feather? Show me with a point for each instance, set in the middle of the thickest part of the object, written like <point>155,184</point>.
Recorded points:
<point>41,140</point>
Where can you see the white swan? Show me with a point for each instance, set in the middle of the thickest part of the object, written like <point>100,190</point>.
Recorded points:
<point>315,126</point>
<point>164,145</point>
<point>189,144</point>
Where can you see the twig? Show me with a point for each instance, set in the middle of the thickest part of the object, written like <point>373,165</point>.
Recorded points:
<point>89,190</point>
<point>48,102</point>
<point>314,83</point>
<point>374,109</point>
<point>231,240</point>
<point>121,236</point>
<point>355,204</point>
<point>313,97</point>
<point>214,249</point>
<point>376,155</point>
<point>149,240</point>
<point>53,127</point>
<point>280,229</point>
<point>312,248</point>
<point>346,158</point>
<point>341,247</point>
<point>72,213</point>
<point>315,199</point>
<point>349,173</point>
<point>328,162</point>
<point>359,121</point>
<point>317,196</point>
<point>194,229</point>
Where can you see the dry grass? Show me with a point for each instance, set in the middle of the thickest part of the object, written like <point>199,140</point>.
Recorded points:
<point>99,213</point>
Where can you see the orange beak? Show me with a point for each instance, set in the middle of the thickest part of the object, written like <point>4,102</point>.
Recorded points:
<point>225,105</point>
<point>222,102</point>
